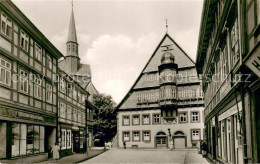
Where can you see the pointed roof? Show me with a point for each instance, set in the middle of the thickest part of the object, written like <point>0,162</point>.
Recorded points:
<point>72,37</point>
<point>182,59</point>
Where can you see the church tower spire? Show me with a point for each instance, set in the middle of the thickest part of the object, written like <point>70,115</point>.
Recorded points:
<point>72,57</point>
<point>72,42</point>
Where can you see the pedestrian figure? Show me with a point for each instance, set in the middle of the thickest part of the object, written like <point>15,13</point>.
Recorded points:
<point>171,144</point>
<point>204,148</point>
<point>124,145</point>
<point>55,151</point>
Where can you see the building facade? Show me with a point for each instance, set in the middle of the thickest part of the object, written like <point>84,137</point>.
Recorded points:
<point>40,103</point>
<point>80,74</point>
<point>228,59</point>
<point>165,103</point>
<point>28,88</point>
<point>71,115</point>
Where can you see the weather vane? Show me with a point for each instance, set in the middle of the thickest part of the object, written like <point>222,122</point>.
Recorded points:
<point>166,25</point>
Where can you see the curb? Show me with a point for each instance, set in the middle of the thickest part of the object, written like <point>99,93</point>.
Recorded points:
<point>89,157</point>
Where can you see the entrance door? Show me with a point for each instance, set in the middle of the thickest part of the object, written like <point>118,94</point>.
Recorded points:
<point>179,143</point>
<point>75,142</point>
<point>161,142</point>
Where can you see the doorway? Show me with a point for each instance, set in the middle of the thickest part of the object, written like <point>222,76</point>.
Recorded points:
<point>179,140</point>
<point>75,135</point>
<point>161,140</point>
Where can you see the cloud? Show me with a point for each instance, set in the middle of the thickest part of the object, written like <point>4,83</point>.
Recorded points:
<point>117,60</point>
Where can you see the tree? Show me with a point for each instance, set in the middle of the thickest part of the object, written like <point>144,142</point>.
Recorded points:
<point>105,122</point>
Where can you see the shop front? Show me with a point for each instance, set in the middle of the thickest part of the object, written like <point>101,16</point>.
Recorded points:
<point>25,134</point>
<point>79,142</point>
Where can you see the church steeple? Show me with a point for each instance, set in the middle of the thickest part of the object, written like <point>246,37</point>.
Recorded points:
<point>72,57</point>
<point>72,42</point>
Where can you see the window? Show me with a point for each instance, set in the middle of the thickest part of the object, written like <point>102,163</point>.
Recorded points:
<point>234,34</point>
<point>195,134</point>
<point>83,99</point>
<point>74,93</point>
<point>136,120</point>
<point>69,111</point>
<point>27,139</point>
<point>126,120</point>
<point>5,72</point>
<point>49,93</point>
<point>146,136</point>
<point>75,115</point>
<point>69,89</point>
<point>38,52</point>
<point>62,110</point>
<point>62,85</point>
<point>79,116</point>
<point>156,118</point>
<point>146,119</point>
<point>126,136</point>
<point>6,26</point>
<point>195,117</point>
<point>49,61</point>
<point>79,97</point>
<point>37,87</point>
<point>63,138</point>
<point>68,139</point>
<point>23,81</point>
<point>24,41</point>
<point>183,117</point>
<point>136,136</point>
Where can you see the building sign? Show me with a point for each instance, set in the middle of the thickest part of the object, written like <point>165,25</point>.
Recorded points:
<point>231,111</point>
<point>253,63</point>
<point>28,116</point>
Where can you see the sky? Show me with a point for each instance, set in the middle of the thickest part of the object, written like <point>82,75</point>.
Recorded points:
<point>117,37</point>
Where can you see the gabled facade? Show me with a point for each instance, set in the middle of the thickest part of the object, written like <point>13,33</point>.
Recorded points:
<point>28,88</point>
<point>165,103</point>
<point>228,59</point>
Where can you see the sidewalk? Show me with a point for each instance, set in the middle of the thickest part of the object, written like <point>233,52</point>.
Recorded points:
<point>76,158</point>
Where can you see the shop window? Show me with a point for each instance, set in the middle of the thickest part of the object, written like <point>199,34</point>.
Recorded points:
<point>183,117</point>
<point>126,136</point>
<point>68,139</point>
<point>146,119</point>
<point>156,118</point>
<point>27,139</point>
<point>63,138</point>
<point>24,41</point>
<point>23,81</point>
<point>126,120</point>
<point>136,120</point>
<point>6,26</point>
<point>82,139</point>
<point>146,136</point>
<point>5,72</point>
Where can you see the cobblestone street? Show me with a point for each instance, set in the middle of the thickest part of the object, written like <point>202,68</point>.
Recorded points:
<point>148,156</point>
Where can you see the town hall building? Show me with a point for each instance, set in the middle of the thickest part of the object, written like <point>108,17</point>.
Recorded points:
<point>164,104</point>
